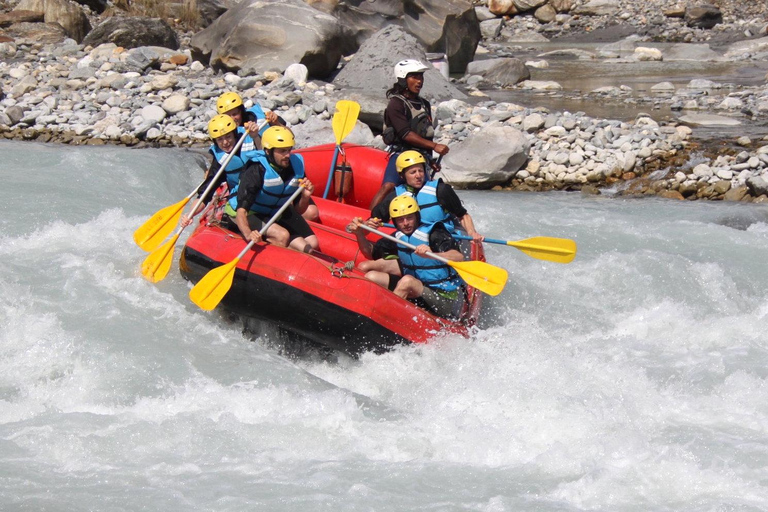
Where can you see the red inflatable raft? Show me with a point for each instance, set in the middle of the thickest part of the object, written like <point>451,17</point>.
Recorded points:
<point>318,297</point>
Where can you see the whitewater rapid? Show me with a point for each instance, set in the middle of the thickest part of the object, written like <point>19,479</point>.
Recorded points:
<point>633,378</point>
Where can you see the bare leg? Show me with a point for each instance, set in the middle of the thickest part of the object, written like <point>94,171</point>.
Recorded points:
<point>409,288</point>
<point>305,244</point>
<point>380,278</point>
<point>277,235</point>
<point>386,266</point>
<point>311,213</point>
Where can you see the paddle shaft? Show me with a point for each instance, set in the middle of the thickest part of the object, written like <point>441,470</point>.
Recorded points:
<point>330,173</point>
<point>489,240</point>
<point>222,168</point>
<point>524,244</point>
<point>347,111</point>
<point>404,243</point>
<point>271,221</point>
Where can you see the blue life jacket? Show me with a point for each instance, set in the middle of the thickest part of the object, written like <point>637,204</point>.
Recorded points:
<point>258,112</point>
<point>274,192</point>
<point>431,211</point>
<point>431,272</point>
<point>236,163</point>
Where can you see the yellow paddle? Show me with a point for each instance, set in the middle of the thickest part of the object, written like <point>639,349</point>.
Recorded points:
<point>214,285</point>
<point>559,250</point>
<point>152,232</point>
<point>343,123</point>
<point>344,119</point>
<point>158,263</point>
<point>477,274</point>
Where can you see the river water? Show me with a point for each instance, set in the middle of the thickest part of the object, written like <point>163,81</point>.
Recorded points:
<point>579,77</point>
<point>634,378</point>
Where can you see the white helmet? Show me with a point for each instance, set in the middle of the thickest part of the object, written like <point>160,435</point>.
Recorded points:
<point>406,66</point>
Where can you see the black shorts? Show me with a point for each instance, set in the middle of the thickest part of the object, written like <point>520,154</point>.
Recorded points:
<point>441,305</point>
<point>294,223</point>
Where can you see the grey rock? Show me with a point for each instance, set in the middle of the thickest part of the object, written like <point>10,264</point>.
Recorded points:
<point>597,8</point>
<point>450,27</point>
<point>297,72</point>
<point>246,38</point>
<point>533,123</point>
<point>153,113</point>
<point>703,16</point>
<point>757,186</point>
<point>133,32</point>
<point>486,158</point>
<point>371,69</point>
<point>318,131</point>
<point>140,59</point>
<point>504,71</point>
<point>15,114</point>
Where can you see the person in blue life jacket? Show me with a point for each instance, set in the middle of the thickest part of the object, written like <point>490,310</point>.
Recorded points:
<point>412,275</point>
<point>437,201</point>
<point>223,132</point>
<point>408,123</point>
<point>231,104</point>
<point>266,183</point>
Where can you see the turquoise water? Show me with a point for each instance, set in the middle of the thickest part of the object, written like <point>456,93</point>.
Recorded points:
<point>633,378</point>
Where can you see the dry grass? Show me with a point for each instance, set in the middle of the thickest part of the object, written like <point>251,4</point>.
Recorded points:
<point>180,13</point>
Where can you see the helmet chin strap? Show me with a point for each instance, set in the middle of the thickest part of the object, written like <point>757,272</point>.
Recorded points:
<point>271,157</point>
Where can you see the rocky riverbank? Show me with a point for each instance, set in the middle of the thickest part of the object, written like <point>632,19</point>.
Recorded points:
<point>153,96</point>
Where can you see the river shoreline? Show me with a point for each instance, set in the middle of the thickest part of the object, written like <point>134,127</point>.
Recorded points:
<point>682,140</point>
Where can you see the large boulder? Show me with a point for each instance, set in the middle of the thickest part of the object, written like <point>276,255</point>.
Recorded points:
<point>748,46</point>
<point>504,70</point>
<point>486,158</point>
<point>442,26</point>
<point>371,106</point>
<point>757,186</point>
<point>502,7</point>
<point>133,32</point>
<point>690,51</point>
<point>362,18</point>
<point>209,11</point>
<point>561,5</point>
<point>36,33</point>
<point>445,26</point>
<point>97,6</point>
<point>528,5</point>
<point>268,35</point>
<point>703,16</point>
<point>20,16</point>
<point>318,131</point>
<point>68,14</point>
<point>371,69</point>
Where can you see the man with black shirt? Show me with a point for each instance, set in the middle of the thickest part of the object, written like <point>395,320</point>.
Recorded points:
<point>266,184</point>
<point>414,275</point>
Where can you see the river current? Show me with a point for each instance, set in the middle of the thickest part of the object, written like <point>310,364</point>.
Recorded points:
<point>634,378</point>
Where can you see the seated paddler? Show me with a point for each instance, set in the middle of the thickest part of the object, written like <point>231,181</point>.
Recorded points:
<point>438,201</point>
<point>224,134</point>
<point>269,179</point>
<point>231,104</point>
<point>412,274</point>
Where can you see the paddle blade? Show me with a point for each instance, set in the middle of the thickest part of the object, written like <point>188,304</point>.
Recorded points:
<point>559,250</point>
<point>158,263</point>
<point>159,226</point>
<point>344,119</point>
<point>214,285</point>
<point>481,275</point>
